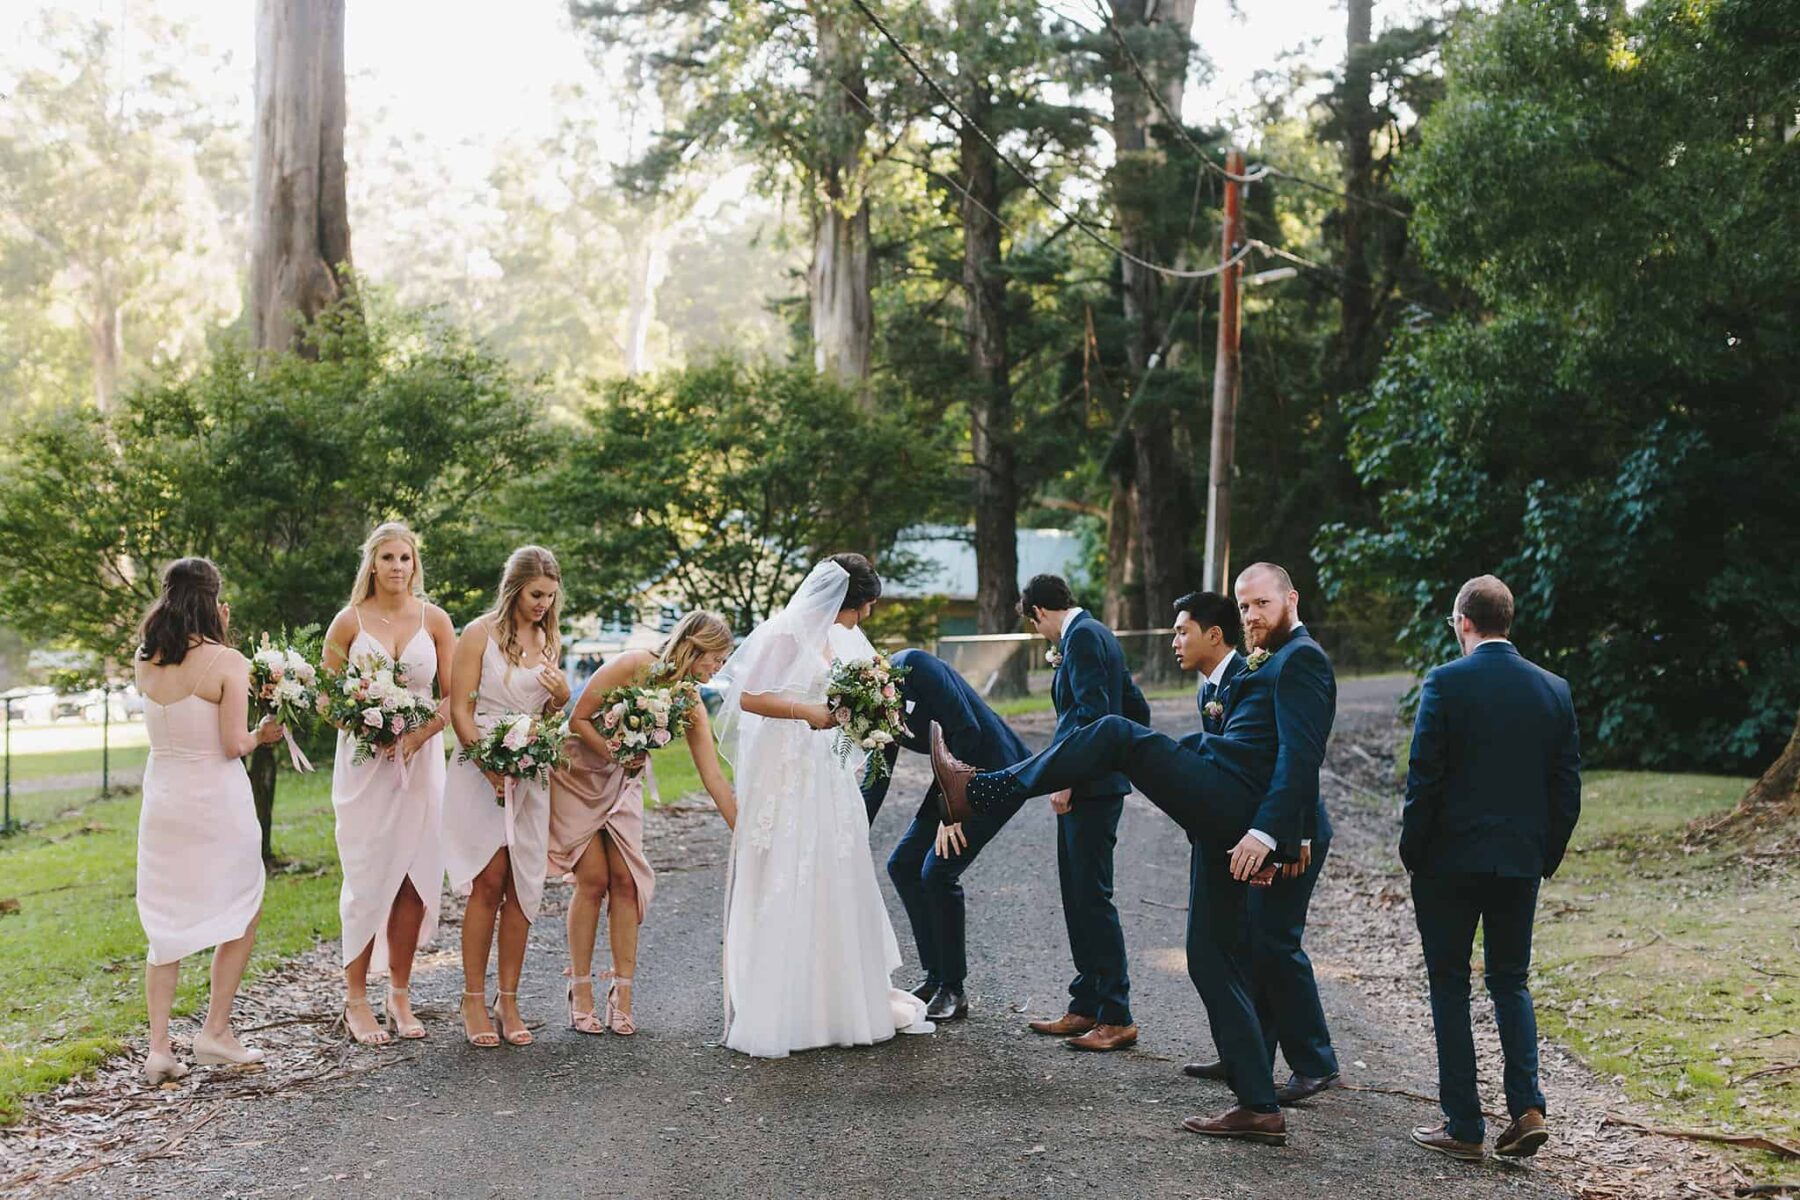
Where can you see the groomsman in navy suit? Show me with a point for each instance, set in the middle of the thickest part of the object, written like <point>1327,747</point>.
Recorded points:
<point>927,864</point>
<point>1287,995</point>
<point>1493,792</point>
<point>1089,682</point>
<point>1253,786</point>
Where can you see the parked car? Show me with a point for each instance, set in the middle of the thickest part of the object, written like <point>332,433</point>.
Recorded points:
<point>33,705</point>
<point>126,704</point>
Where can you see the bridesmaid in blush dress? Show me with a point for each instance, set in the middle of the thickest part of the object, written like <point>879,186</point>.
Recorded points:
<point>390,810</point>
<point>597,816</point>
<point>495,852</point>
<point>199,861</point>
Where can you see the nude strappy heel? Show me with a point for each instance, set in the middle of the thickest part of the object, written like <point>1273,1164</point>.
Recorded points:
<point>583,1022</point>
<point>411,1033</point>
<point>487,1039</point>
<point>375,1037</point>
<point>617,1019</point>
<point>522,1037</point>
<point>163,1068</point>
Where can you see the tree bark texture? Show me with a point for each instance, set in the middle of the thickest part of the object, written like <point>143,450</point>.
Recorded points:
<point>841,279</point>
<point>1160,34</point>
<point>299,220</point>
<point>991,444</point>
<point>1357,304</point>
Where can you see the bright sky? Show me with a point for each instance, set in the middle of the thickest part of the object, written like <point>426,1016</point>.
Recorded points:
<point>475,73</point>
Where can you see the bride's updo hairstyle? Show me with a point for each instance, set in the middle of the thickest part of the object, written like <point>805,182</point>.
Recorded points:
<point>698,634</point>
<point>188,608</point>
<point>387,531</point>
<point>865,584</point>
<point>524,565</point>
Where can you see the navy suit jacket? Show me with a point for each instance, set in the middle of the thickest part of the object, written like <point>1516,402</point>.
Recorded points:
<point>1277,720</point>
<point>935,691</point>
<point>1494,786</point>
<point>1091,683</point>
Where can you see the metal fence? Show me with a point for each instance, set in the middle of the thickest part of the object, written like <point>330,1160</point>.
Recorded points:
<point>24,711</point>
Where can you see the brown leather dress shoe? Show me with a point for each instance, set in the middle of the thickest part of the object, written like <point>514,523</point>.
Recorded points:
<point>952,775</point>
<point>1524,1137</point>
<point>1105,1037</point>
<point>1214,1070</point>
<point>1437,1138</point>
<point>1243,1123</point>
<point>1067,1025</point>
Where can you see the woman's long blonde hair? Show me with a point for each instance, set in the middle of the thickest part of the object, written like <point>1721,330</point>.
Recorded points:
<point>522,566</point>
<point>698,634</point>
<point>387,531</point>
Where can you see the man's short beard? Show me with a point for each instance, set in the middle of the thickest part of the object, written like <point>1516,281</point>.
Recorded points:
<point>1279,632</point>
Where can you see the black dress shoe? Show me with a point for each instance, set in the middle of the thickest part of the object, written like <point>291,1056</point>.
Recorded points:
<point>1301,1087</point>
<point>925,991</point>
<point>947,1004</point>
<point>1214,1070</point>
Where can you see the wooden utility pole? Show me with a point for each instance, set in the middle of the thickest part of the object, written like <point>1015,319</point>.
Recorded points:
<point>1225,385</point>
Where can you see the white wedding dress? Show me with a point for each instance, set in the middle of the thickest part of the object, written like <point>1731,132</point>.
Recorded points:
<point>808,945</point>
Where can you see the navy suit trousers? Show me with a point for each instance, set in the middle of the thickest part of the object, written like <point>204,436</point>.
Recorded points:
<point>1447,908</point>
<point>1085,837</point>
<point>930,887</point>
<point>1287,995</point>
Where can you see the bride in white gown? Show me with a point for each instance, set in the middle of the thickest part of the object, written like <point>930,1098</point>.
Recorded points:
<point>808,944</point>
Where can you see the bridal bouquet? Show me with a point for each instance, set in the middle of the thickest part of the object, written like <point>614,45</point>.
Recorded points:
<point>641,717</point>
<point>368,700</point>
<point>284,685</point>
<point>521,746</point>
<point>864,696</point>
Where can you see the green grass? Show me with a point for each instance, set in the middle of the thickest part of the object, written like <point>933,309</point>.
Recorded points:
<point>72,956</point>
<point>1670,965</point>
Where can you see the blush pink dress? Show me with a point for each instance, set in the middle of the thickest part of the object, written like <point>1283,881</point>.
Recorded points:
<point>389,820</point>
<point>592,794</point>
<point>475,825</point>
<point>199,860</point>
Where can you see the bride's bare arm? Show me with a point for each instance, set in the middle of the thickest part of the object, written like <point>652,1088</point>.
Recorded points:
<point>706,760</point>
<point>785,708</point>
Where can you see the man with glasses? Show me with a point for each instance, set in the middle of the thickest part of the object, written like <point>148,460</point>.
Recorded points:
<point>1492,795</point>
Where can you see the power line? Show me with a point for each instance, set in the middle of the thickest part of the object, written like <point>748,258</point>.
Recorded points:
<point>1043,194</point>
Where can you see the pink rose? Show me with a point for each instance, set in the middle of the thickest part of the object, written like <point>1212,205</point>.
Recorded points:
<point>528,762</point>
<point>661,737</point>
<point>887,693</point>
<point>322,704</point>
<point>372,718</point>
<point>397,724</point>
<point>275,671</point>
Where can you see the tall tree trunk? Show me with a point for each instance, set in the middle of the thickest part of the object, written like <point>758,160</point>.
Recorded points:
<point>649,266</point>
<point>106,343</point>
<point>1357,305</point>
<point>841,279</point>
<point>1124,560</point>
<point>299,215</point>
<point>1773,799</point>
<point>1161,36</point>
<point>299,218</point>
<point>990,411</point>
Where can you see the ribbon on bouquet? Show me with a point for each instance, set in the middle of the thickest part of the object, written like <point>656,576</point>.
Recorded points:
<point>294,752</point>
<point>507,802</point>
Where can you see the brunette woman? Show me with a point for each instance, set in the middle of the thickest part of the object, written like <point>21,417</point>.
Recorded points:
<point>199,864</point>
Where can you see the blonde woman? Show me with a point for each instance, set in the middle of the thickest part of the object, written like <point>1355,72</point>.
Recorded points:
<point>494,847</point>
<point>199,857</point>
<point>389,810</point>
<point>597,816</point>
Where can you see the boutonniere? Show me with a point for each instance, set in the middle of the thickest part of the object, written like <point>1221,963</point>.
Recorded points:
<point>1214,711</point>
<point>1054,657</point>
<point>1256,658</point>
